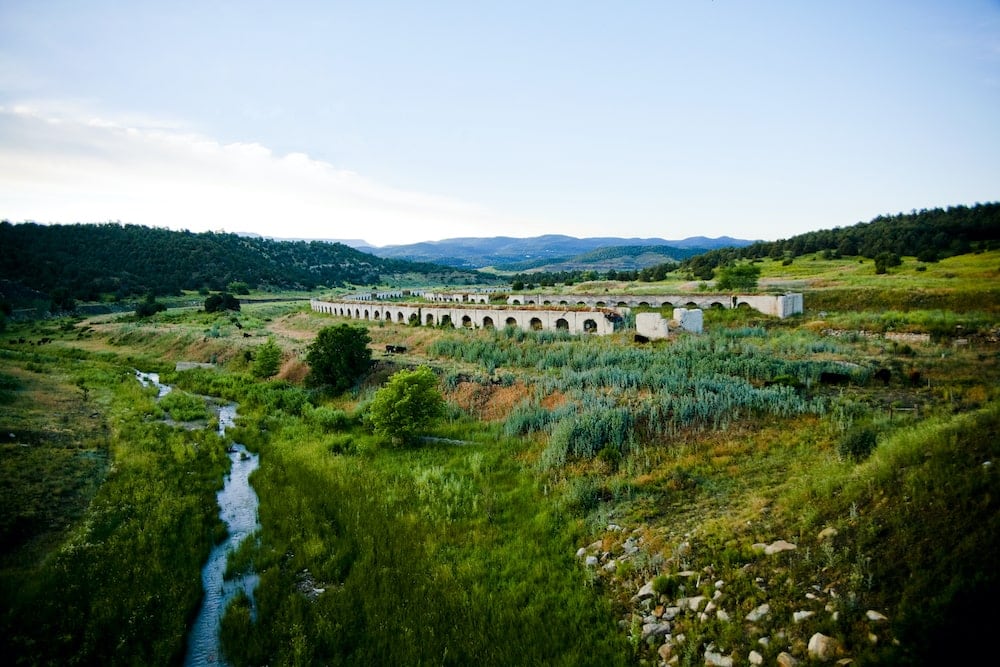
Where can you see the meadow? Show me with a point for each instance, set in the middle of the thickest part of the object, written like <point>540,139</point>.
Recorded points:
<point>670,464</point>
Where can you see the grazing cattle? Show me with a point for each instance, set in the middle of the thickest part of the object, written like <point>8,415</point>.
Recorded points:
<point>639,338</point>
<point>246,335</point>
<point>237,323</point>
<point>827,377</point>
<point>883,375</point>
<point>395,349</point>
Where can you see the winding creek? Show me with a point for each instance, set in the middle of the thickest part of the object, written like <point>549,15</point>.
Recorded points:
<point>238,510</point>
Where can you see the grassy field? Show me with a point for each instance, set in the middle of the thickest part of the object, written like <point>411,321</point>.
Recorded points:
<point>671,464</point>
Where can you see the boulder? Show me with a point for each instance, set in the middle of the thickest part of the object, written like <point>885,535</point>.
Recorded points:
<point>581,552</point>
<point>655,630</point>
<point>666,651</point>
<point>591,561</point>
<point>823,648</point>
<point>827,533</point>
<point>786,660</point>
<point>759,613</point>
<point>778,546</point>
<point>755,658</point>
<point>800,616</point>
<point>717,659</point>
<point>875,617</point>
<point>645,592</point>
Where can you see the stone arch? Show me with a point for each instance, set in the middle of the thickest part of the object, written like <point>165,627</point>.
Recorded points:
<point>511,322</point>
<point>377,315</point>
<point>622,304</point>
<point>400,318</point>
<point>690,304</point>
<point>666,304</point>
<point>716,305</point>
<point>562,324</point>
<point>589,326</point>
<point>516,301</point>
<point>445,321</point>
<point>466,322</point>
<point>601,304</point>
<point>414,320</point>
<point>644,303</point>
<point>531,302</point>
<point>487,322</point>
<point>563,302</point>
<point>535,324</point>
<point>366,314</point>
<point>430,319</point>
<point>546,303</point>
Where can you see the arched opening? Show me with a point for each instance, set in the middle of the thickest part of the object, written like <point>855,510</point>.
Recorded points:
<point>511,322</point>
<point>466,322</point>
<point>601,304</point>
<point>430,319</point>
<point>377,316</point>
<point>531,302</point>
<point>399,317</point>
<point>622,304</point>
<point>414,320</point>
<point>589,326</point>
<point>562,324</point>
<point>666,304</point>
<point>535,324</point>
<point>564,303</point>
<point>690,304</point>
<point>446,321</point>
<point>357,314</point>
<point>581,303</point>
<point>546,303</point>
<point>516,302</point>
<point>644,303</point>
<point>487,322</point>
<point>716,305</point>
<point>366,314</point>
<point>743,305</point>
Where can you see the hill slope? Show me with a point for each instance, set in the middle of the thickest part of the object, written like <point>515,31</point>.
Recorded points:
<point>91,260</point>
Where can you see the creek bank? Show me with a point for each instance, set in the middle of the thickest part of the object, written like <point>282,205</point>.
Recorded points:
<point>238,504</point>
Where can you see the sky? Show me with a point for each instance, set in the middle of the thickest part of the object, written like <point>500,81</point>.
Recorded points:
<point>399,122</point>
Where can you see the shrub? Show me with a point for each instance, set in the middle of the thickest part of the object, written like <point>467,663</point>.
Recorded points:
<point>858,443</point>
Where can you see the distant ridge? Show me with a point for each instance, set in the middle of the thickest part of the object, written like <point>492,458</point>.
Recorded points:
<point>506,252</point>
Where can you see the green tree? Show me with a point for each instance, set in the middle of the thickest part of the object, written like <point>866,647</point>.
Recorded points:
<point>238,287</point>
<point>149,307</point>
<point>224,301</point>
<point>338,357</point>
<point>738,277</point>
<point>267,360</point>
<point>408,403</point>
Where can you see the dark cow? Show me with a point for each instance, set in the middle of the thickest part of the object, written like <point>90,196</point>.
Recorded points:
<point>883,375</point>
<point>395,349</point>
<point>639,338</point>
<point>246,335</point>
<point>827,377</point>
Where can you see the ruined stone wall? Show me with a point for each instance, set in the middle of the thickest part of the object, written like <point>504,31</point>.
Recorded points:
<point>782,305</point>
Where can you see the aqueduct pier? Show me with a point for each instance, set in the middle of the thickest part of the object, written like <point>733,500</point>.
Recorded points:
<point>573,321</point>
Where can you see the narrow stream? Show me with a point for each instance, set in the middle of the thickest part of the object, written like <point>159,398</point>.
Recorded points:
<point>238,510</point>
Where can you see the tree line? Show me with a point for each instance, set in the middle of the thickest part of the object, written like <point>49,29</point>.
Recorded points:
<point>91,262</point>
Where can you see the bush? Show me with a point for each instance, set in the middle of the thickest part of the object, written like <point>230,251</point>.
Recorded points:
<point>338,357</point>
<point>408,403</point>
<point>858,443</point>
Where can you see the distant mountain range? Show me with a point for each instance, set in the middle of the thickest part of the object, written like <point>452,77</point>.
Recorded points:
<point>550,251</point>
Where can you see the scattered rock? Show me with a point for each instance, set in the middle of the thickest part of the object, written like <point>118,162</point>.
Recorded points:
<point>666,651</point>
<point>630,546</point>
<point>800,616</point>
<point>581,552</point>
<point>755,658</point>
<point>873,638</point>
<point>717,659</point>
<point>759,613</point>
<point>719,584</point>
<point>591,561</point>
<point>875,617</point>
<point>722,615</point>
<point>645,592</point>
<point>827,533</point>
<point>670,613</point>
<point>786,660</point>
<point>758,546</point>
<point>777,547</point>
<point>691,603</point>
<point>611,566</point>
<point>614,527</point>
<point>655,630</point>
<point>822,647</point>
<point>686,573</point>
<point>764,641</point>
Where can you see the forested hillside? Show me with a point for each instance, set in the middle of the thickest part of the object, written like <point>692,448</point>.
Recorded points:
<point>929,235</point>
<point>93,261</point>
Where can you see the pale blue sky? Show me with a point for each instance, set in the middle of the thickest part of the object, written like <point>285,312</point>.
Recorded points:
<point>407,121</point>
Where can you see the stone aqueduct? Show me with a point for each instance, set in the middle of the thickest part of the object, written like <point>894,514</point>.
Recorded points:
<point>574,321</point>
<point>529,312</point>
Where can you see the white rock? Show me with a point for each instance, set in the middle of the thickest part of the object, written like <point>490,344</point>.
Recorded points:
<point>717,594</point>
<point>758,546</point>
<point>610,566</point>
<point>759,613</point>
<point>764,641</point>
<point>666,651</point>
<point>654,630</point>
<point>581,552</point>
<point>591,561</point>
<point>719,584</point>
<point>692,603</point>
<point>874,616</point>
<point>614,527</point>
<point>670,613</point>
<point>717,659</point>
<point>822,647</point>
<point>645,592</point>
<point>873,638</point>
<point>827,533</point>
<point>722,615</point>
<point>755,658</point>
<point>778,546</point>
<point>710,607</point>
<point>800,616</point>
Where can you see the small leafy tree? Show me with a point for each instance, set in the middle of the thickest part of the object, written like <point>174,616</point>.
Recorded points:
<point>338,357</point>
<point>149,307</point>
<point>238,287</point>
<point>267,360</point>
<point>408,403</point>
<point>738,277</point>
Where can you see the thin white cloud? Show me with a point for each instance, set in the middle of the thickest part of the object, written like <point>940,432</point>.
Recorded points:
<point>66,168</point>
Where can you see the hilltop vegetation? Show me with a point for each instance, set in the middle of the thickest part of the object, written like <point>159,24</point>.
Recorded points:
<point>95,262</point>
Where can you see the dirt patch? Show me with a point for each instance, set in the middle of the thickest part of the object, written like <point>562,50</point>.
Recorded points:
<point>293,371</point>
<point>488,402</point>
